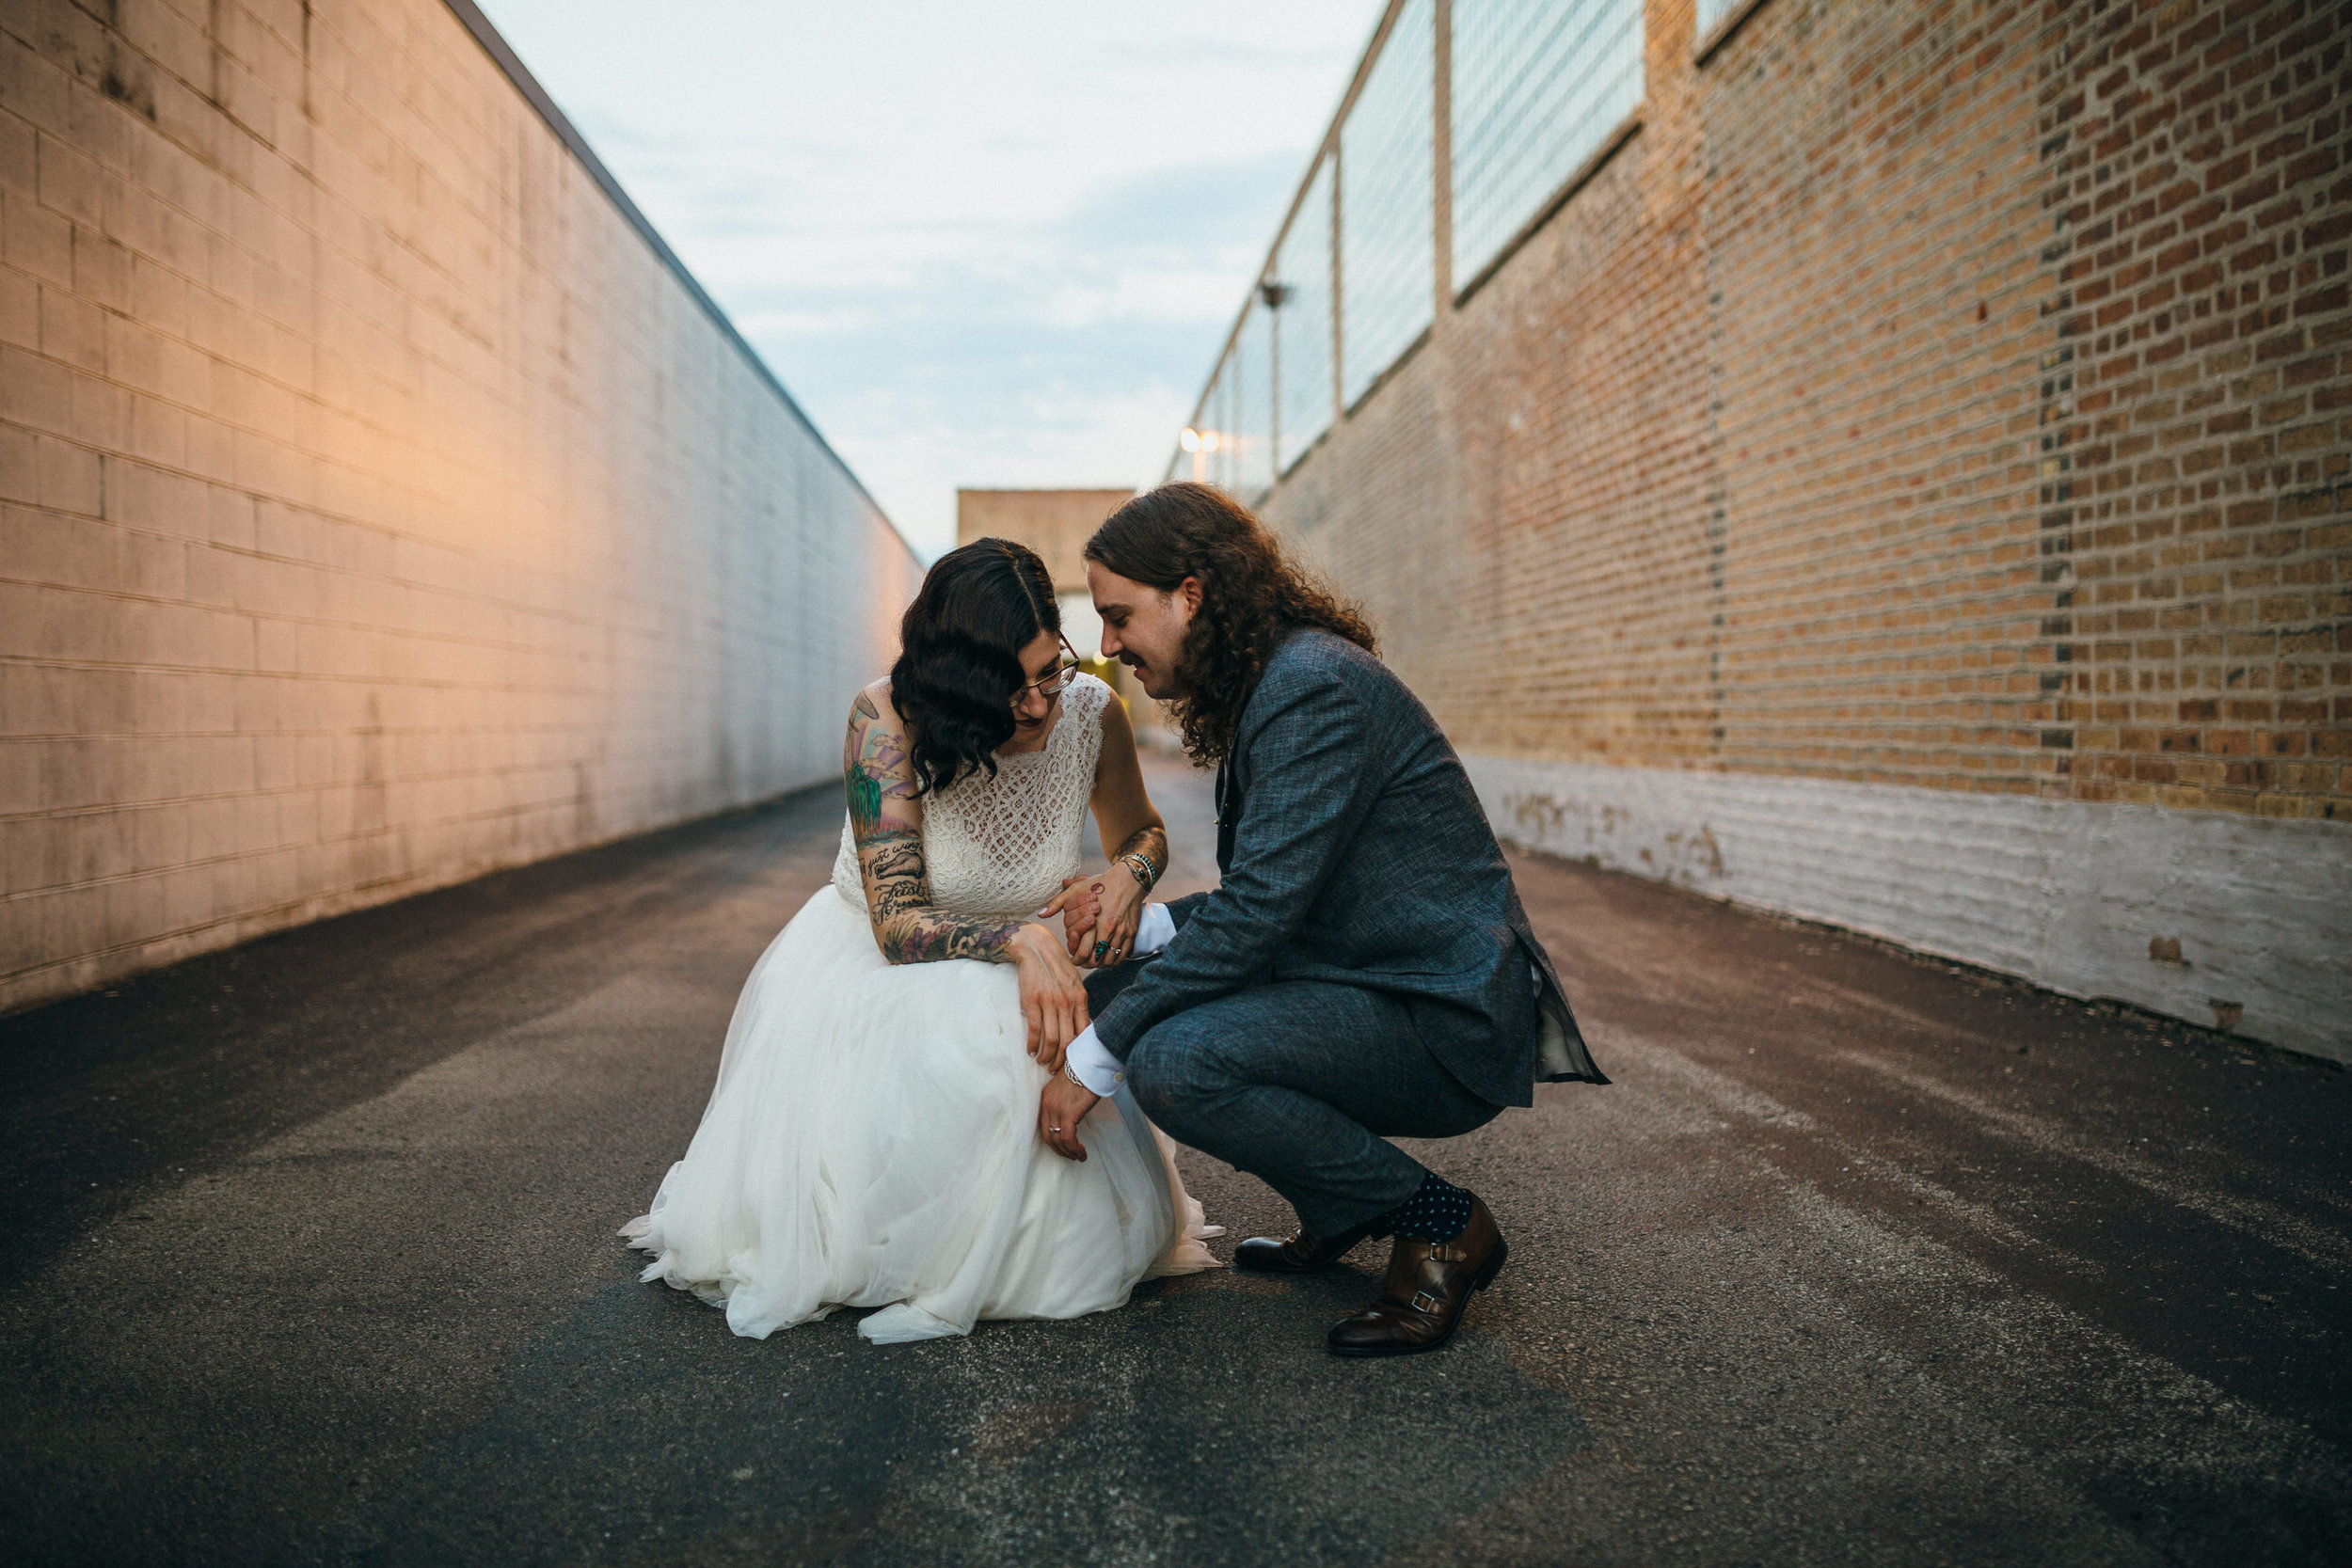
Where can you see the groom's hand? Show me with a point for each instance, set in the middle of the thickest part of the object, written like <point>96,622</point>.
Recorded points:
<point>1080,905</point>
<point>1059,1108</point>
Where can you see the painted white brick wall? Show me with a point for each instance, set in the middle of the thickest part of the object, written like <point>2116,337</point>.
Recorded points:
<point>2068,893</point>
<point>378,506</point>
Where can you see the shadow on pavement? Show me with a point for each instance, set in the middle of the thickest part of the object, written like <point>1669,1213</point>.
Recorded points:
<point>1203,1424</point>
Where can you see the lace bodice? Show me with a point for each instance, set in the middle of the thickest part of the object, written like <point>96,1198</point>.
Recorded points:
<point>1001,846</point>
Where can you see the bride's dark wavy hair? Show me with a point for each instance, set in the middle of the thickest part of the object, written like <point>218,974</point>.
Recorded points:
<point>960,655</point>
<point>1251,595</point>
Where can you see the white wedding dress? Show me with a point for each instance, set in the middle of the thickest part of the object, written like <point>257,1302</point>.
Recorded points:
<point>872,1142</point>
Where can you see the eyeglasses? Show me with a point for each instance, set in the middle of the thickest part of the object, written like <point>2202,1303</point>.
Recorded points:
<point>1055,681</point>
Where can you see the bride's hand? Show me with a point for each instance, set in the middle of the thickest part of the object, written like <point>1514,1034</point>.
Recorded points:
<point>1053,995</point>
<point>1060,1107</point>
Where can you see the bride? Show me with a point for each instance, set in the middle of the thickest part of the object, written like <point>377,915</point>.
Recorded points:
<point>873,1140</point>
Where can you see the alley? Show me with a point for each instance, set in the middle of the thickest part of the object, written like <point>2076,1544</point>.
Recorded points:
<point>1862,1258</point>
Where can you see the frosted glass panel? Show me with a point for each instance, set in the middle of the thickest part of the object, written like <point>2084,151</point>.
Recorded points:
<point>1205,452</point>
<point>1387,243</point>
<point>1303,325</point>
<point>1537,84</point>
<point>1230,441</point>
<point>1252,432</point>
<point>1216,432</point>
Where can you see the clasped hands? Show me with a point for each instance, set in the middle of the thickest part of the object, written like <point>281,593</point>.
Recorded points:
<point>1099,913</point>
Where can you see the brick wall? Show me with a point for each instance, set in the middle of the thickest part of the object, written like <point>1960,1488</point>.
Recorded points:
<point>2194,161</point>
<point>378,504</point>
<point>1945,396</point>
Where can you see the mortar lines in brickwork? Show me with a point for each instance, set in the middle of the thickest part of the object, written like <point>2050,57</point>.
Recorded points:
<point>2015,453</point>
<point>2057,432</point>
<point>2207,281</point>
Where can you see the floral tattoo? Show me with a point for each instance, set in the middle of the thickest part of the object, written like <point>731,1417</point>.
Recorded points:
<point>861,757</point>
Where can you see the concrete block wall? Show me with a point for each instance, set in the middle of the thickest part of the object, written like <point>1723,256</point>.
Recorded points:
<point>379,503</point>
<point>1942,405</point>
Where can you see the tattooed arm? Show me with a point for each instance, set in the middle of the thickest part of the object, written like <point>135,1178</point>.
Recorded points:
<point>886,823</point>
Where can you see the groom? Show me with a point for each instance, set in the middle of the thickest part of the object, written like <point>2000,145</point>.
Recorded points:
<point>1363,973</point>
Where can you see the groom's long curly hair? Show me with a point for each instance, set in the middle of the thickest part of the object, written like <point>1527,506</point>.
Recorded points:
<point>1251,595</point>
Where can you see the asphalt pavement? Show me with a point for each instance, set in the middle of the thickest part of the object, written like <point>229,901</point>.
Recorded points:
<point>1862,1258</point>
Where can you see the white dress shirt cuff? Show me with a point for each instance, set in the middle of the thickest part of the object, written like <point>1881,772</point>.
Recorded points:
<point>1091,1061</point>
<point>1091,1064</point>
<point>1156,930</point>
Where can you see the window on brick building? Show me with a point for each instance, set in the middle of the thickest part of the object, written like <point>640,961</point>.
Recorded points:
<point>1219,422</point>
<point>1387,240</point>
<point>1200,450</point>
<point>1252,416</point>
<point>1303,321</point>
<point>1537,87</point>
<point>1229,442</point>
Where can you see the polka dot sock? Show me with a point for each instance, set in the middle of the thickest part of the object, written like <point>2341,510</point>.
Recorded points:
<point>1436,1212</point>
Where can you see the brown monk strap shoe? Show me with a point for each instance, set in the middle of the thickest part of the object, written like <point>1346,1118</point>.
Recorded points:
<point>1302,1254</point>
<point>1428,1285</point>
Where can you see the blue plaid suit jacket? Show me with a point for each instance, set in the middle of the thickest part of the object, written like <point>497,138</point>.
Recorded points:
<point>1354,851</point>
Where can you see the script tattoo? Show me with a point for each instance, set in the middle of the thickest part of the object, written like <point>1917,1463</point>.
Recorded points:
<point>886,823</point>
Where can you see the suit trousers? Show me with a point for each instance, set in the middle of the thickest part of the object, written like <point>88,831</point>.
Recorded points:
<point>1300,1083</point>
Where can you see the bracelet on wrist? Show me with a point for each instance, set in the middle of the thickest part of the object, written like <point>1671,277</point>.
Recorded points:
<point>1140,864</point>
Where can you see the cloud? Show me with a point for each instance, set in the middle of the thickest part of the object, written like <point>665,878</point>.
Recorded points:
<point>982,246</point>
<point>1221,202</point>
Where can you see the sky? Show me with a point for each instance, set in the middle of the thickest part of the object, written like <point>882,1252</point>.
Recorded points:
<point>985,245</point>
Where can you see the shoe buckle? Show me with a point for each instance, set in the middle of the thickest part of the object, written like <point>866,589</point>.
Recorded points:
<point>1424,1302</point>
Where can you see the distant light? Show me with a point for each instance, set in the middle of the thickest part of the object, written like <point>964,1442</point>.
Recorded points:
<point>1190,440</point>
<point>1209,441</point>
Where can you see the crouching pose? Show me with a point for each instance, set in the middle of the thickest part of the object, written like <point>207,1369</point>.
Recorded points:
<point>1365,971</point>
<point>869,1143</point>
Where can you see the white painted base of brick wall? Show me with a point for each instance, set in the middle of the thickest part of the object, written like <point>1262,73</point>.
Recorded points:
<point>2063,893</point>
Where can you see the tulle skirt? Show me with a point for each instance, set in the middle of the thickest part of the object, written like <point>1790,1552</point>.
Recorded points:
<point>871,1142</point>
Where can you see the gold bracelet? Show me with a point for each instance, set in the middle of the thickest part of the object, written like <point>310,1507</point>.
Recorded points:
<point>1140,864</point>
